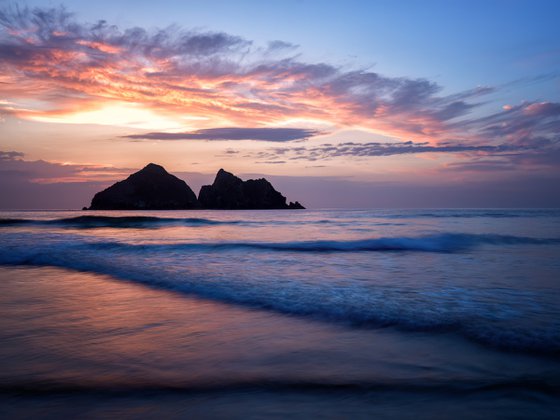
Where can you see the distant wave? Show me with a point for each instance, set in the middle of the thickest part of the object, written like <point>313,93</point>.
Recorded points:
<point>370,218</point>
<point>469,214</point>
<point>424,386</point>
<point>88,222</point>
<point>445,243</point>
<point>152,222</point>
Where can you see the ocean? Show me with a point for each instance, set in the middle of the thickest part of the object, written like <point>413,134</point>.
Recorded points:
<point>416,313</point>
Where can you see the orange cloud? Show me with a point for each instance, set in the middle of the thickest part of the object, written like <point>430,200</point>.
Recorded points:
<point>106,48</point>
<point>200,75</point>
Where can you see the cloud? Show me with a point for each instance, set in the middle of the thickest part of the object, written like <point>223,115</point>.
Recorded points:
<point>232,133</point>
<point>525,122</point>
<point>56,28</point>
<point>548,157</point>
<point>217,79</point>
<point>483,165</point>
<point>279,45</point>
<point>48,55</point>
<point>373,149</point>
<point>525,135</point>
<point>10,155</point>
<point>16,168</point>
<point>39,184</point>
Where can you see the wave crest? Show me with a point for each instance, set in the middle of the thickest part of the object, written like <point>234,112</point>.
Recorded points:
<point>227,272</point>
<point>444,243</point>
<point>88,222</point>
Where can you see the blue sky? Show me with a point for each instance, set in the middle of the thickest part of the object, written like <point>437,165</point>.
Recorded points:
<point>457,43</point>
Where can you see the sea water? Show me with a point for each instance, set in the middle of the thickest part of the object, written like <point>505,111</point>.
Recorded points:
<point>342,313</point>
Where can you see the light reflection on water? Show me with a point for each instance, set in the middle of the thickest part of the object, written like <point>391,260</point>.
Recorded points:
<point>78,344</point>
<point>63,327</point>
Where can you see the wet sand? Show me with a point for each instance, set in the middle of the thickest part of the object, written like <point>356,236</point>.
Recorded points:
<point>86,345</point>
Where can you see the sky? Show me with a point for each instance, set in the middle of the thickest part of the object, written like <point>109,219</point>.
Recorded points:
<point>359,104</point>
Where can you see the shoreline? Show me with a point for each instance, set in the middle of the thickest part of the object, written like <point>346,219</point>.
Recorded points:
<point>98,345</point>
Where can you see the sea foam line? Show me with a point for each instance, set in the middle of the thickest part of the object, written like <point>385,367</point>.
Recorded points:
<point>182,267</point>
<point>444,242</point>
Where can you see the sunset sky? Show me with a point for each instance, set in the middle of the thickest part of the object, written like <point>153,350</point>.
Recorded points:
<point>338,103</point>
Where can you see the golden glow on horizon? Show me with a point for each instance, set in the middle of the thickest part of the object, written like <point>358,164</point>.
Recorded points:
<point>118,114</point>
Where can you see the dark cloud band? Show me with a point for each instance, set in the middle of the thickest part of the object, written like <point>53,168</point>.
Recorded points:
<point>232,133</point>
<point>372,149</point>
<point>10,155</point>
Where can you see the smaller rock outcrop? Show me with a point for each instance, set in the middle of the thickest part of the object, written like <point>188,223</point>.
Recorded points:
<point>151,188</point>
<point>229,192</point>
<point>295,206</point>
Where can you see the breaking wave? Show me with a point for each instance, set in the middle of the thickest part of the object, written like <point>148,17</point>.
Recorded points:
<point>226,272</point>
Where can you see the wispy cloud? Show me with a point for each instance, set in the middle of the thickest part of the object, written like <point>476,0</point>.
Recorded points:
<point>222,77</point>
<point>232,133</point>
<point>535,122</point>
<point>481,165</point>
<point>16,168</point>
<point>352,149</point>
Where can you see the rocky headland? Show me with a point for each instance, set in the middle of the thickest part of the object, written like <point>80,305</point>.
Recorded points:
<point>229,192</point>
<point>153,188</point>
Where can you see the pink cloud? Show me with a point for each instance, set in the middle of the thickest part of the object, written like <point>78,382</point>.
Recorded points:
<point>47,55</point>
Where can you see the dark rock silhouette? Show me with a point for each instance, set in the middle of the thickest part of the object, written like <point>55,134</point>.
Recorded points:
<point>296,206</point>
<point>229,192</point>
<point>151,188</point>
